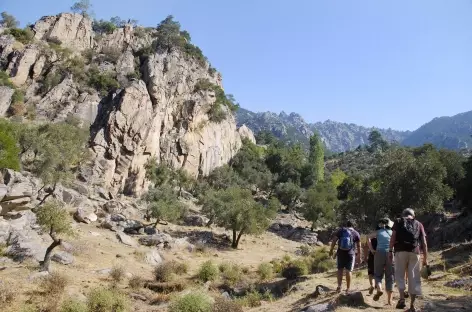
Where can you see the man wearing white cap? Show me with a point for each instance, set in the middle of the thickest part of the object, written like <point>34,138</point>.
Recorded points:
<point>407,237</point>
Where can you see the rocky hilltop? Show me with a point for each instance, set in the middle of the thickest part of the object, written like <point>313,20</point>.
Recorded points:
<point>337,136</point>
<point>143,98</point>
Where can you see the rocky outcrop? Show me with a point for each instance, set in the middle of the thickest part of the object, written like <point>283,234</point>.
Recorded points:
<point>17,192</point>
<point>21,64</point>
<point>163,119</point>
<point>72,30</point>
<point>5,99</point>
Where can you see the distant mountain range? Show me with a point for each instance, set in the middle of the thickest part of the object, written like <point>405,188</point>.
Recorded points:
<point>448,132</point>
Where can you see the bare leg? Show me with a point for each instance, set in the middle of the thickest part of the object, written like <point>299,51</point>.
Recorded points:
<point>412,302</point>
<point>348,280</point>
<point>389,297</point>
<point>340,279</point>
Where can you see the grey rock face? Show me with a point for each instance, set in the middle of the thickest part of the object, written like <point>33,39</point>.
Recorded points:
<point>5,99</point>
<point>63,257</point>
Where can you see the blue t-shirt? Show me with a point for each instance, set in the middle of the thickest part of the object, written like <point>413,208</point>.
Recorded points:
<point>383,239</point>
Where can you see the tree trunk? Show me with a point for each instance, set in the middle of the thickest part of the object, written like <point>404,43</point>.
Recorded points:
<point>47,195</point>
<point>239,237</point>
<point>234,244</point>
<point>47,257</point>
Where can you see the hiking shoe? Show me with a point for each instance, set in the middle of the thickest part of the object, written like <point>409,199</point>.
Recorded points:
<point>371,290</point>
<point>338,290</point>
<point>378,295</point>
<point>407,295</point>
<point>400,305</point>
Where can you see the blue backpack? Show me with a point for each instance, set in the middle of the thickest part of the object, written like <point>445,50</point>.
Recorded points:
<point>345,240</point>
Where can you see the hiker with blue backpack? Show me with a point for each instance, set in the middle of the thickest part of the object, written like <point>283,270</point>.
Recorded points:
<point>382,263</point>
<point>349,249</point>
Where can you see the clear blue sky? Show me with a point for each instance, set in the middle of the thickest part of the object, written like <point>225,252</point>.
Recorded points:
<point>396,63</point>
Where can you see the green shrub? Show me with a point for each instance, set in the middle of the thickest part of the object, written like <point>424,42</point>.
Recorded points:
<point>207,272</point>
<point>320,261</point>
<point>226,305</point>
<point>191,302</point>
<point>18,96</point>
<point>75,66</point>
<point>251,299</point>
<point>211,71</point>
<point>52,79</point>
<point>102,82</point>
<point>107,300</point>
<point>73,306</point>
<point>5,80</point>
<point>62,53</point>
<point>265,271</point>
<point>9,150</point>
<point>203,84</point>
<point>231,273</point>
<point>103,27</point>
<point>140,32</point>
<point>24,36</point>
<point>296,269</point>
<point>216,113</point>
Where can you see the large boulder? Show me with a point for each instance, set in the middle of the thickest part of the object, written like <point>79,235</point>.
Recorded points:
<point>127,240</point>
<point>153,257</point>
<point>63,257</point>
<point>156,239</point>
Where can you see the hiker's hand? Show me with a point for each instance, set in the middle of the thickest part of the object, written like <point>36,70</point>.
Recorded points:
<point>358,259</point>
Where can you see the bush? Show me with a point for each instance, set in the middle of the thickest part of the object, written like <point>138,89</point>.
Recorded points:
<point>140,32</point>
<point>226,305</point>
<point>216,113</point>
<point>320,261</point>
<point>165,272</point>
<point>52,79</point>
<point>207,272</point>
<point>102,82</point>
<point>9,150</point>
<point>211,71</point>
<point>117,274</point>
<point>5,80</point>
<point>111,54</point>
<point>231,273</point>
<point>62,53</point>
<point>265,271</point>
<point>54,284</point>
<point>251,299</point>
<point>191,302</point>
<point>136,282</point>
<point>107,300</point>
<point>24,36</point>
<point>103,27</point>
<point>73,306</point>
<point>203,85</point>
<point>295,269</point>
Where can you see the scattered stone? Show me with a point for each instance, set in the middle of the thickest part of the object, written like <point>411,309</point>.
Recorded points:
<point>127,240</point>
<point>95,233</point>
<point>354,299</point>
<point>38,275</point>
<point>321,307</point>
<point>67,247</point>
<point>150,230</point>
<point>156,239</point>
<point>82,215</point>
<point>137,297</point>
<point>153,257</point>
<point>226,295</point>
<point>196,220</point>
<point>63,257</point>
<point>103,271</point>
<point>462,283</point>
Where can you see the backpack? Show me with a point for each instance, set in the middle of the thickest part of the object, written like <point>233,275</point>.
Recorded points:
<point>408,234</point>
<point>345,239</point>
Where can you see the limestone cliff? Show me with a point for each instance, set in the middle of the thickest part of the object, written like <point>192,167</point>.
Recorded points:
<point>139,105</point>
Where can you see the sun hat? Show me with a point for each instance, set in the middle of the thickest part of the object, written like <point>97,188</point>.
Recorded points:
<point>408,212</point>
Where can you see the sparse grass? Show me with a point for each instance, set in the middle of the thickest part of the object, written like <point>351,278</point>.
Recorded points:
<point>5,80</point>
<point>7,293</point>
<point>107,300</point>
<point>54,284</point>
<point>160,298</point>
<point>201,248</point>
<point>226,305</point>
<point>111,54</point>
<point>191,302</point>
<point>117,273</point>
<point>136,282</point>
<point>24,36</point>
<point>71,305</point>
<point>3,250</point>
<point>207,272</point>
<point>166,271</point>
<point>265,271</point>
<point>167,287</point>
<point>253,299</point>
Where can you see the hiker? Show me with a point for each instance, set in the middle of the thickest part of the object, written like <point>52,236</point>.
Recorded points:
<point>382,263</point>
<point>369,259</point>
<point>349,249</point>
<point>407,237</point>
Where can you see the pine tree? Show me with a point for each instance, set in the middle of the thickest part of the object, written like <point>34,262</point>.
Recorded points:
<point>316,157</point>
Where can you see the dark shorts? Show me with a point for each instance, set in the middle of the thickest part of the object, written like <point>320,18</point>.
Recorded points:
<point>370,264</point>
<point>345,261</point>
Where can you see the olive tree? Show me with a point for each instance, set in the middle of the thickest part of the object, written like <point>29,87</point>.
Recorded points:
<point>319,203</point>
<point>235,209</point>
<point>55,220</point>
<point>163,204</point>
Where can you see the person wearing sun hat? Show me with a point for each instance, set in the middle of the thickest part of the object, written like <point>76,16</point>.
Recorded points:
<point>382,264</point>
<point>408,241</point>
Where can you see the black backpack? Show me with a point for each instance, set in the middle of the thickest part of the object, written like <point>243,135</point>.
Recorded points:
<point>408,234</point>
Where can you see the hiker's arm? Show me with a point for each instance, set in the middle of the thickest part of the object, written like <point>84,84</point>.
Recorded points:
<point>424,245</point>
<point>369,243</point>
<point>333,244</point>
<point>392,240</point>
